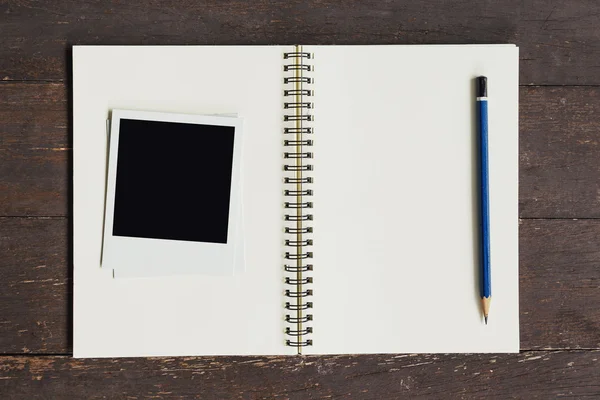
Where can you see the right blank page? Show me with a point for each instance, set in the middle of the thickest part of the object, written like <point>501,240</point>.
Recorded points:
<point>396,264</point>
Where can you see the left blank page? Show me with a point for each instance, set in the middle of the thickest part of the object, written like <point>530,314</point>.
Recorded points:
<point>192,314</point>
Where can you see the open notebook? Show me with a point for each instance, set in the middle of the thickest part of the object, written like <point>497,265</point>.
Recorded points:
<point>389,259</point>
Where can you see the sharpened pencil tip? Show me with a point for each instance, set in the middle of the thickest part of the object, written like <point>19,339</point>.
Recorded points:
<point>485,307</point>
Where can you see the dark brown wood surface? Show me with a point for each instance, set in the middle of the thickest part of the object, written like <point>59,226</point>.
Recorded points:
<point>529,375</point>
<point>558,39</point>
<point>559,199</point>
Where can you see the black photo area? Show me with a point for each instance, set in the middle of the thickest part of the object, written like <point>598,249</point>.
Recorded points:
<point>173,181</point>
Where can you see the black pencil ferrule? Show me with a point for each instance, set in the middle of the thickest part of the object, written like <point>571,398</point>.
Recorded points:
<point>481,86</point>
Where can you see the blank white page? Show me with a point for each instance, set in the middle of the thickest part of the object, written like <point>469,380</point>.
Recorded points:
<point>395,199</point>
<point>193,314</point>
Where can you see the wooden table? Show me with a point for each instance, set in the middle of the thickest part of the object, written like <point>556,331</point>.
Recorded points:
<point>559,201</point>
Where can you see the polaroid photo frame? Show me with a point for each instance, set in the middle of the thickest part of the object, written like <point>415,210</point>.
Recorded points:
<point>173,203</point>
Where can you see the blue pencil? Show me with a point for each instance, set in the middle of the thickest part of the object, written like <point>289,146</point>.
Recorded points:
<point>482,127</point>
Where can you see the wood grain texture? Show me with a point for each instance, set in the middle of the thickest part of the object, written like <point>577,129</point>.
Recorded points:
<point>559,167</point>
<point>35,300</point>
<point>559,285</point>
<point>559,41</point>
<point>34,149</point>
<point>549,374</point>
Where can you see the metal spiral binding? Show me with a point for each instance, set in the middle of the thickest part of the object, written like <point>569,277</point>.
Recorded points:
<point>298,95</point>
